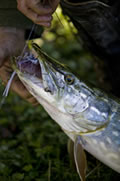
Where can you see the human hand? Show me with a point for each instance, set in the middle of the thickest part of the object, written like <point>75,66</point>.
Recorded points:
<point>12,43</point>
<point>39,11</point>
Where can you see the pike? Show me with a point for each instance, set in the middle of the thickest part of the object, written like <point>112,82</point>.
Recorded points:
<point>90,117</point>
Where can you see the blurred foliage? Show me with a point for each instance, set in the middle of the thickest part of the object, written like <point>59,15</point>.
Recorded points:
<point>32,145</point>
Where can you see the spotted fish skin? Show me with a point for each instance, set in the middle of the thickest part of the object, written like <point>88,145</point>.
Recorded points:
<point>105,144</point>
<point>81,110</point>
<point>102,117</point>
<point>99,126</point>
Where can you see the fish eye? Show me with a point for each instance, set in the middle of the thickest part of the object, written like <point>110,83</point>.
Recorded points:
<point>69,79</point>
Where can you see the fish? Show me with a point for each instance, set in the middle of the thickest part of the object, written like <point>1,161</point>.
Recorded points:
<point>89,116</point>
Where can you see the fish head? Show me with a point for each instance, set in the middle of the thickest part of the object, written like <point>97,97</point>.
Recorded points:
<point>48,79</point>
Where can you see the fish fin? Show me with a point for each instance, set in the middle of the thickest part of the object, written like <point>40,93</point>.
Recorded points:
<point>70,148</point>
<point>80,159</point>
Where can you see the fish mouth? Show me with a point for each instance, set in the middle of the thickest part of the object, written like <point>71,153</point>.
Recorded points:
<point>38,67</point>
<point>29,65</point>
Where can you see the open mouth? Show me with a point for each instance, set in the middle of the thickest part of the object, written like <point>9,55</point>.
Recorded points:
<point>29,64</point>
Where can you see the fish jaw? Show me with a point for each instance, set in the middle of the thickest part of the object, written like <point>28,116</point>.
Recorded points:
<point>33,77</point>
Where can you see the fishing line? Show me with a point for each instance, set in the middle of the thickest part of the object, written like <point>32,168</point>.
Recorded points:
<point>7,88</point>
<point>56,14</point>
<point>25,47</point>
<point>70,26</point>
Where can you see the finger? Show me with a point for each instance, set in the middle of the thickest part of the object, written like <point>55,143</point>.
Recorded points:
<point>46,24</point>
<point>39,8</point>
<point>16,86</point>
<point>39,19</point>
<point>5,72</point>
<point>20,89</point>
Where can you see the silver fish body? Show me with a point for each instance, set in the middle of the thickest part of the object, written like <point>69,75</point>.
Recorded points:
<point>81,111</point>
